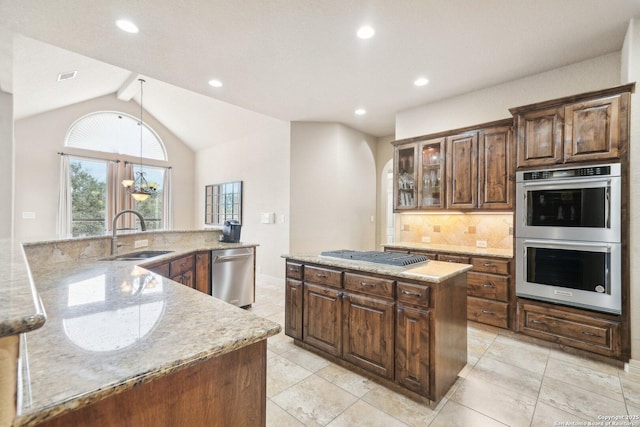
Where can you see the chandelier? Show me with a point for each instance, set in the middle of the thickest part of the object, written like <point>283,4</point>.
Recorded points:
<point>139,188</point>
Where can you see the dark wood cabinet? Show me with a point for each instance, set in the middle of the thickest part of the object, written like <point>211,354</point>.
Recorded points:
<point>203,272</point>
<point>368,333</point>
<point>322,314</point>
<point>462,171</point>
<point>496,168</point>
<point>350,316</point>
<point>582,329</point>
<point>193,270</point>
<point>405,174</point>
<point>588,127</point>
<point>293,308</point>
<point>412,348</point>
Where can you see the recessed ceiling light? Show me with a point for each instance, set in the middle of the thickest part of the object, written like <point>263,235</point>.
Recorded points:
<point>365,32</point>
<point>127,26</point>
<point>215,83</point>
<point>67,76</point>
<point>421,81</point>
<point>360,112</point>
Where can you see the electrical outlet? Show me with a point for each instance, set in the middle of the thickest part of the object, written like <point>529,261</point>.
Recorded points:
<point>481,243</point>
<point>141,243</point>
<point>426,239</point>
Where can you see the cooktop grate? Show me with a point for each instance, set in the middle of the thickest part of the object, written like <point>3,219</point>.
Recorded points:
<point>389,258</point>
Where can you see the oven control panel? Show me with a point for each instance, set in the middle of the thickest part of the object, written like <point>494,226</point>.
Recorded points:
<point>567,173</point>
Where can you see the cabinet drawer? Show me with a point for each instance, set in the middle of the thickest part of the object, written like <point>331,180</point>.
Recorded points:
<point>432,256</point>
<point>182,265</point>
<point>589,333</point>
<point>323,276</point>
<point>413,294</point>
<point>486,311</point>
<point>368,285</point>
<point>486,285</point>
<point>454,258</point>
<point>490,265</point>
<point>294,270</point>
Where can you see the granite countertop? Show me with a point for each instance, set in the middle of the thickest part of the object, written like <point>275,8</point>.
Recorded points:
<point>20,307</point>
<point>113,324</point>
<point>431,271</point>
<point>454,249</point>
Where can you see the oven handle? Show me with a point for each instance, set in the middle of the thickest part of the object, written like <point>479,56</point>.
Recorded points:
<point>566,244</point>
<point>603,181</point>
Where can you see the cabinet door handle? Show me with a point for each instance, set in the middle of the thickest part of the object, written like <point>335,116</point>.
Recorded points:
<point>368,285</point>
<point>489,264</point>
<point>293,269</point>
<point>538,322</point>
<point>488,312</point>
<point>412,294</point>
<point>322,276</point>
<point>488,285</point>
<point>591,334</point>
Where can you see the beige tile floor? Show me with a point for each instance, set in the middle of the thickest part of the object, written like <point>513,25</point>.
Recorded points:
<point>507,382</point>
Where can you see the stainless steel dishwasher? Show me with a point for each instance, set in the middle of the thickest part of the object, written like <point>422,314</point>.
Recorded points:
<point>232,276</point>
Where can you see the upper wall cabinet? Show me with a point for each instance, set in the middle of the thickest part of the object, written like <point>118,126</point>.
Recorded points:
<point>470,168</point>
<point>587,127</point>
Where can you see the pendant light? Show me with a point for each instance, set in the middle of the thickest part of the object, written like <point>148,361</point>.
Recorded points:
<point>139,188</point>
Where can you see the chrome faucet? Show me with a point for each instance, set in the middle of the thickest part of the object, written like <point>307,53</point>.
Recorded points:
<point>114,238</point>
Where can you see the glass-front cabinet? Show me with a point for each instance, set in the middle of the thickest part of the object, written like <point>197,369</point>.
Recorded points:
<point>405,176</point>
<point>431,177</point>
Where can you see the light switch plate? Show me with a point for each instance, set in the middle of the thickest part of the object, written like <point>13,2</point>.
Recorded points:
<point>426,239</point>
<point>481,243</point>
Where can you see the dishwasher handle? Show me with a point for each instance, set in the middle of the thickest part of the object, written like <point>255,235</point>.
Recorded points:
<point>228,258</point>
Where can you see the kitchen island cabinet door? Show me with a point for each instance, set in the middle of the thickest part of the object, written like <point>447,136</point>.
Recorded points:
<point>293,309</point>
<point>368,334</point>
<point>412,349</point>
<point>322,314</point>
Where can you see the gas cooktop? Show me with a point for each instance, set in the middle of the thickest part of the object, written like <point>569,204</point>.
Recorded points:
<point>388,258</point>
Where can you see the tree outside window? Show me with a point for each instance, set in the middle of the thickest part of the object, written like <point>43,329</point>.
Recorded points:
<point>152,208</point>
<point>88,197</point>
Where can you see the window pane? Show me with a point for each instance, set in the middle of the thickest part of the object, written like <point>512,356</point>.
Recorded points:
<point>88,196</point>
<point>152,208</point>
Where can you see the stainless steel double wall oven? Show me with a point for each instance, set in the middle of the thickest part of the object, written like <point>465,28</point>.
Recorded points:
<point>568,236</point>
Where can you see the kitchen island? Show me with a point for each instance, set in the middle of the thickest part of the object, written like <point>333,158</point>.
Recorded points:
<point>403,326</point>
<point>123,345</point>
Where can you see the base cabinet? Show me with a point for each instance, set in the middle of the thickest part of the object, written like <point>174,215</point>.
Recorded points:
<point>412,348</point>
<point>389,329</point>
<point>571,327</point>
<point>368,334</point>
<point>322,312</point>
<point>293,308</point>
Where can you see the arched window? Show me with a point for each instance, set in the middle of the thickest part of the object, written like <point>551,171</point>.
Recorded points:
<point>117,133</point>
<point>90,189</point>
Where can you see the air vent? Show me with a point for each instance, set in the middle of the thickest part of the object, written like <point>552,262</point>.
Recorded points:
<point>66,76</point>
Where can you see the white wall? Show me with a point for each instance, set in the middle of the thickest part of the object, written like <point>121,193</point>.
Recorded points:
<point>493,103</point>
<point>333,188</point>
<point>261,161</point>
<point>6,162</point>
<point>37,140</point>
<point>630,72</point>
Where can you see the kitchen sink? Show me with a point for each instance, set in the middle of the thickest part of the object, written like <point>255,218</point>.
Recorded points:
<point>133,256</point>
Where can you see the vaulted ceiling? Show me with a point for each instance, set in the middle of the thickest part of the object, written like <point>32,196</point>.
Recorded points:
<point>294,60</point>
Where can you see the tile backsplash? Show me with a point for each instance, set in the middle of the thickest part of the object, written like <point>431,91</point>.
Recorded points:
<point>457,229</point>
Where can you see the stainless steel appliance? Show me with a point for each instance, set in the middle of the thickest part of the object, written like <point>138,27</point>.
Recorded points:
<point>577,273</point>
<point>581,203</point>
<point>232,276</point>
<point>388,258</point>
<point>568,229</point>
